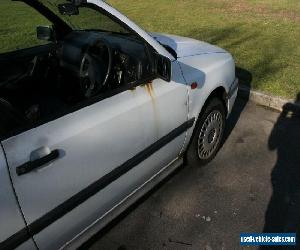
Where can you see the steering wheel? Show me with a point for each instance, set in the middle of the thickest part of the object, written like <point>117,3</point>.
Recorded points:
<point>95,68</point>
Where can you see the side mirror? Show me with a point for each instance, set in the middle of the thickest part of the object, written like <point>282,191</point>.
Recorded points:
<point>68,9</point>
<point>163,67</point>
<point>45,33</point>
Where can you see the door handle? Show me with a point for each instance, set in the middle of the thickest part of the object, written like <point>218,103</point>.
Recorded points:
<point>33,164</point>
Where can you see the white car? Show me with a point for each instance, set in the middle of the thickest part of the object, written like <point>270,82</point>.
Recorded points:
<point>96,116</point>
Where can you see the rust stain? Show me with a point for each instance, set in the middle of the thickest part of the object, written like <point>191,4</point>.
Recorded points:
<point>149,88</point>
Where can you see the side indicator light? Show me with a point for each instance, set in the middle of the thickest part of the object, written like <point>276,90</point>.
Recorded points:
<point>194,85</point>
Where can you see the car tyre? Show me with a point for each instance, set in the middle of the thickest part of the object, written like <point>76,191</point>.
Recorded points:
<point>208,134</point>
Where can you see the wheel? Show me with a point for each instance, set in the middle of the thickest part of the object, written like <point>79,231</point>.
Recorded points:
<point>208,134</point>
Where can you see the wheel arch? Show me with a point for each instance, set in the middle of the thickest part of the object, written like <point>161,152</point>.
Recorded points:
<point>218,92</point>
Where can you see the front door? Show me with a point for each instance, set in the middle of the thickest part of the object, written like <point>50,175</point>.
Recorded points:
<point>81,180</point>
<point>70,171</point>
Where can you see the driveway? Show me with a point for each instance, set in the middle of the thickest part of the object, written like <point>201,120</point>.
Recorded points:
<point>207,208</point>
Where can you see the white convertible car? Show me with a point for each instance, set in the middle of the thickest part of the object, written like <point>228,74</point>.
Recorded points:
<point>96,115</point>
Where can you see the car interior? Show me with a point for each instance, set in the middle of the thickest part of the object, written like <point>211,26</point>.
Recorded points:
<point>38,82</point>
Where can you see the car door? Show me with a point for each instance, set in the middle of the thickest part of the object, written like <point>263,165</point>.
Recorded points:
<point>86,177</point>
<point>91,159</point>
<point>102,158</point>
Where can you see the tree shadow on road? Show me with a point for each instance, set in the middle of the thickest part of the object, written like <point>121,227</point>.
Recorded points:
<point>283,212</point>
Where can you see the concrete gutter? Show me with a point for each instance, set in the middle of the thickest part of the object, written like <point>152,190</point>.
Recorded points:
<point>273,102</point>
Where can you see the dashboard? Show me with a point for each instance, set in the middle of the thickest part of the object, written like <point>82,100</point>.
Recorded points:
<point>131,59</point>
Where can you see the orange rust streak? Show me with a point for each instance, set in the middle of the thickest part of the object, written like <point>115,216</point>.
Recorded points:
<point>149,89</point>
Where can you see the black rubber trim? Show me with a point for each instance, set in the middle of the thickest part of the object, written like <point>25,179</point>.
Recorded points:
<point>234,86</point>
<point>32,165</point>
<point>15,240</point>
<point>73,202</point>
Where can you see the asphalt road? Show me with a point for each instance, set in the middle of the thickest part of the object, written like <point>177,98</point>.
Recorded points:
<point>207,208</point>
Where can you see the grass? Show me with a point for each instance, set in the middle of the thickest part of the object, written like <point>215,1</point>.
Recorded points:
<point>262,35</point>
<point>18,26</point>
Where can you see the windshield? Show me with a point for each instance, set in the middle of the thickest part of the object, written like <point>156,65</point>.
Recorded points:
<point>88,17</point>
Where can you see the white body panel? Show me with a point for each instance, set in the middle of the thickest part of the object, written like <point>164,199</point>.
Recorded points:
<point>207,65</point>
<point>215,71</point>
<point>185,46</point>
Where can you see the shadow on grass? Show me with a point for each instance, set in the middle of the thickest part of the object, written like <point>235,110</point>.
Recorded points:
<point>264,56</point>
<point>283,212</point>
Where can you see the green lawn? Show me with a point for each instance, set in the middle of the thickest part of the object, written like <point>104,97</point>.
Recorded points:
<point>262,35</point>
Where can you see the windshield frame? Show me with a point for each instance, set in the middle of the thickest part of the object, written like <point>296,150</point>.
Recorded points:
<point>111,17</point>
<point>62,28</point>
